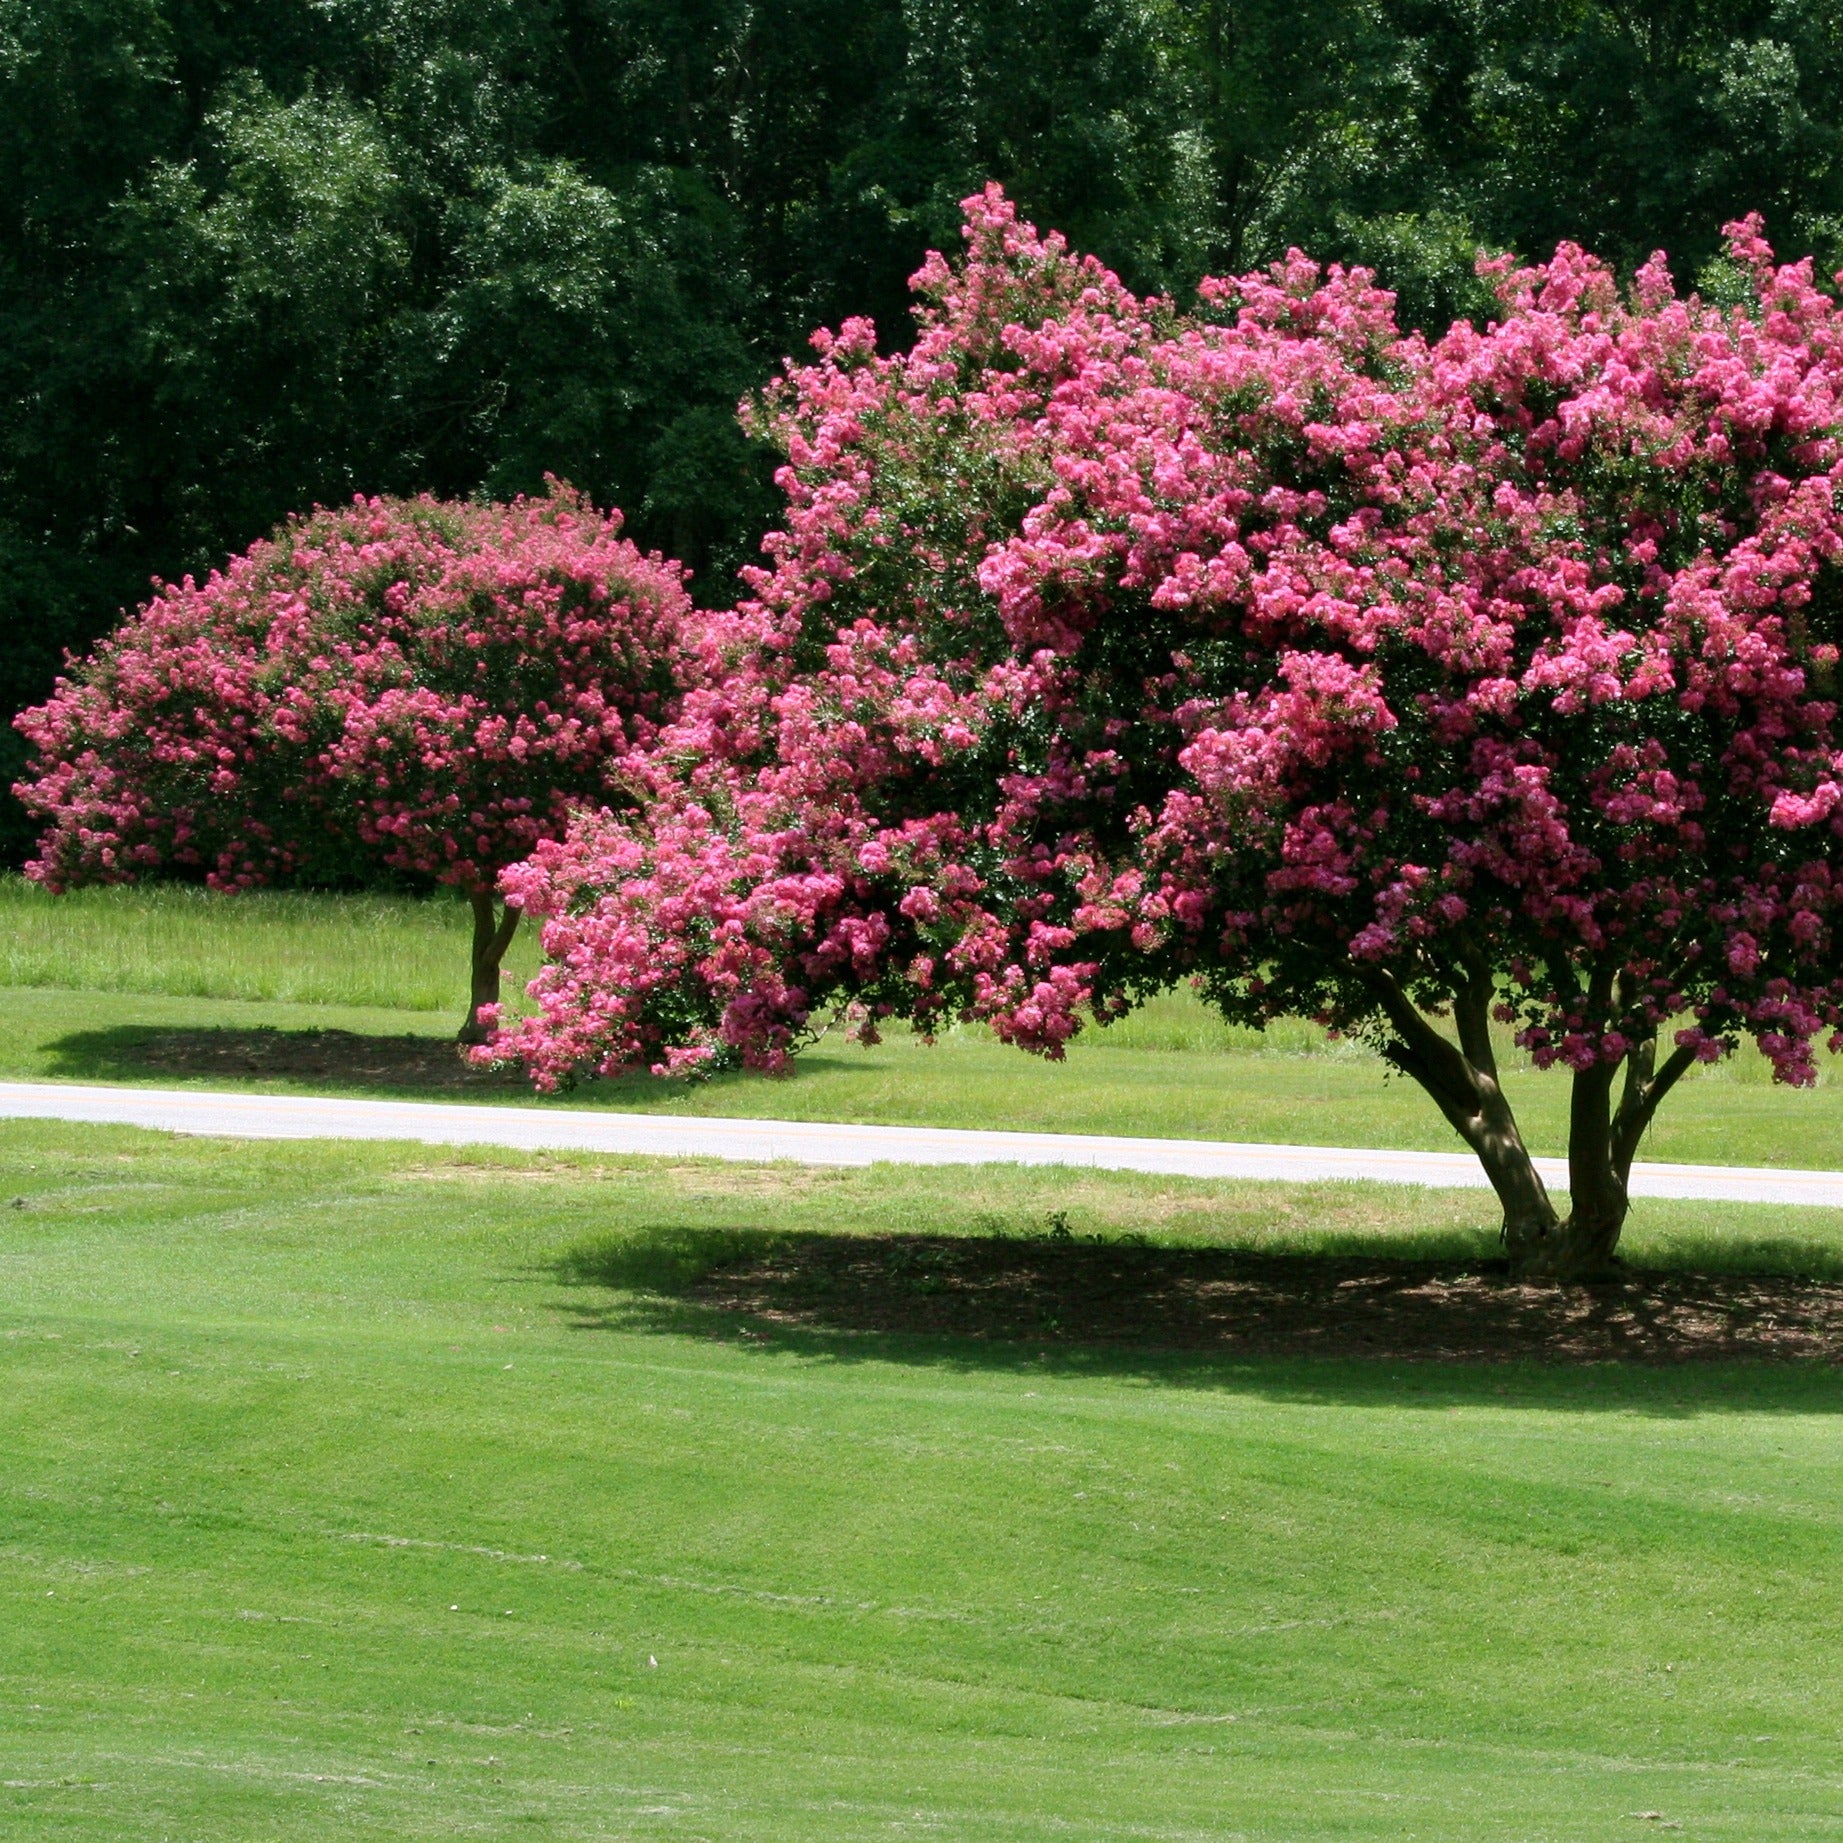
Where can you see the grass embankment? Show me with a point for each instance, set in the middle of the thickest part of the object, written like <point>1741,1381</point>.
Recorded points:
<point>176,986</point>
<point>342,1497</point>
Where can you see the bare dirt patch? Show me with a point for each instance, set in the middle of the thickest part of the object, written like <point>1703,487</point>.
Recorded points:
<point>1113,1293</point>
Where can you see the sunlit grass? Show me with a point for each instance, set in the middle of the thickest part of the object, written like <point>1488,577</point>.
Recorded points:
<point>403,953</point>
<point>1179,1020</point>
<point>338,1503</point>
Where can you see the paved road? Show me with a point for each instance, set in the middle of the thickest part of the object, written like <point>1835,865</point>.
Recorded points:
<point>276,1116</point>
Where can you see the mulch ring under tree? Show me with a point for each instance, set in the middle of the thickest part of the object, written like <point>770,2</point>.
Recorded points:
<point>1119,1293</point>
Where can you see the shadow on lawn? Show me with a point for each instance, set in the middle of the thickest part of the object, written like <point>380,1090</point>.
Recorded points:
<point>1108,1306</point>
<point>328,1058</point>
<point>331,1060</point>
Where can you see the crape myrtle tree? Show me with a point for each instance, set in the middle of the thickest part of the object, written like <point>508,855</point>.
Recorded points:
<point>395,690</point>
<point>1403,686</point>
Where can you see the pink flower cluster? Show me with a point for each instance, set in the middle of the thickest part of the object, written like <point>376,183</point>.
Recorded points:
<point>1107,645</point>
<point>408,686</point>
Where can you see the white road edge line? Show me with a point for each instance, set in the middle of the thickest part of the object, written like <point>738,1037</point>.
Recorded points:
<point>808,1142</point>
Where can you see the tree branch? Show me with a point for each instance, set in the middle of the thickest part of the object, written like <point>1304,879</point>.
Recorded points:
<point>502,935</point>
<point>1424,1055</point>
<point>1567,981</point>
<point>1600,987</point>
<point>492,935</point>
<point>1640,1102</point>
<point>1472,1015</point>
<point>1469,1096</point>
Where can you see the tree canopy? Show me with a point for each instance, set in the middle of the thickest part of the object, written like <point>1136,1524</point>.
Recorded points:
<point>396,688</point>
<point>1349,674</point>
<point>259,255</point>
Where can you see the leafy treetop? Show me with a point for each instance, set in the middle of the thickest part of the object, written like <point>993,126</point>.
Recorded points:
<point>396,688</point>
<point>1352,675</point>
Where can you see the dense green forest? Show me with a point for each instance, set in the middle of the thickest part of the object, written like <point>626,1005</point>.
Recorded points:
<point>259,253</point>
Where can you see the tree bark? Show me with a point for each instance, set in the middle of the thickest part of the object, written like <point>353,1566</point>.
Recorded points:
<point>1602,1140</point>
<point>494,926</point>
<point>1463,1082</point>
<point>1581,1246</point>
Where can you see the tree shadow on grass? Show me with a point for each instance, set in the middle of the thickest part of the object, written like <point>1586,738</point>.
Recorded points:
<point>329,1059</point>
<point>1307,1324</point>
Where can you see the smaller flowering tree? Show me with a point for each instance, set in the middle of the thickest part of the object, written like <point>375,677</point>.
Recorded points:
<point>396,688</point>
<point>1387,683</point>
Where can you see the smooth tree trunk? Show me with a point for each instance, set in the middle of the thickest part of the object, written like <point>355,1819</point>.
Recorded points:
<point>495,923</point>
<point>1602,1139</point>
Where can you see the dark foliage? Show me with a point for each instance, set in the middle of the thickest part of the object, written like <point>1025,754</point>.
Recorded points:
<point>259,254</point>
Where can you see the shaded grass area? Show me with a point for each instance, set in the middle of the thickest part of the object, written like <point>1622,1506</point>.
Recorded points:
<point>320,1058</point>
<point>342,1498</point>
<point>1340,1269</point>
<point>965,1080</point>
<point>1065,1290</point>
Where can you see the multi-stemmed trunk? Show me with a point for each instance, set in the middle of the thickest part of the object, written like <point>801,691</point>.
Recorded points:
<point>1463,1080</point>
<point>495,923</point>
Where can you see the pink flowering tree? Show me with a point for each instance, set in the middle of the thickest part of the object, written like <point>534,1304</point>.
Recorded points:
<point>1401,686</point>
<point>398,689</point>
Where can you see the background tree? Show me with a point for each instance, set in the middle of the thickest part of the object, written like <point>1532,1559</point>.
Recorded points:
<point>1388,684</point>
<point>264,255</point>
<point>400,690</point>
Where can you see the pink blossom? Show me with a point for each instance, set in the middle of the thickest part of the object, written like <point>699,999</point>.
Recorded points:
<point>1104,645</point>
<point>394,686</point>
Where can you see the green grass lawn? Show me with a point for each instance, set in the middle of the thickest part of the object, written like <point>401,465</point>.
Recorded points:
<point>332,1506</point>
<point>400,952</point>
<point>95,985</point>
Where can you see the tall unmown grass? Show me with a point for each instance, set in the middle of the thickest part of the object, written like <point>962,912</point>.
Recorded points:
<point>400,953</point>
